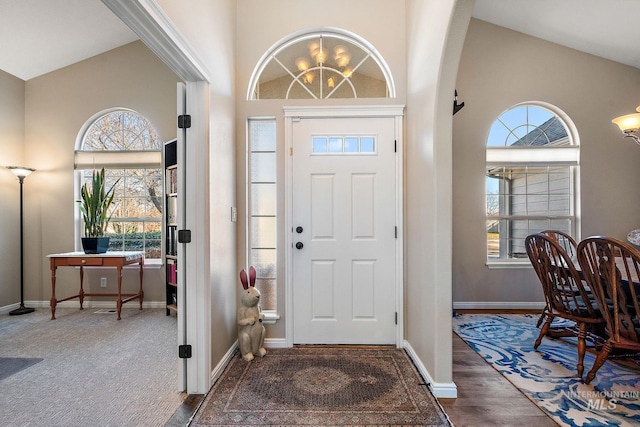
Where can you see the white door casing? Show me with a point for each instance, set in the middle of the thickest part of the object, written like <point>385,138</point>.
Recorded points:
<point>157,31</point>
<point>181,294</point>
<point>344,285</point>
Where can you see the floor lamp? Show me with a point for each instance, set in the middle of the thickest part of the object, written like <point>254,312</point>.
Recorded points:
<point>21,173</point>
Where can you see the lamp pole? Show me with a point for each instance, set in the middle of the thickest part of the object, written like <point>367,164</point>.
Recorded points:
<point>21,173</point>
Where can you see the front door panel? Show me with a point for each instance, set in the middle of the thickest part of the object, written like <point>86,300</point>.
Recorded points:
<point>344,203</point>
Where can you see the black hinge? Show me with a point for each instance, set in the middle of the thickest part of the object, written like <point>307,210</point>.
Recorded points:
<point>396,232</point>
<point>184,236</point>
<point>184,121</point>
<point>395,146</point>
<point>184,351</point>
<point>396,317</point>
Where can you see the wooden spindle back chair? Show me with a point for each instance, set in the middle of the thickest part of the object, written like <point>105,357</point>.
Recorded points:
<point>565,240</point>
<point>612,269</point>
<point>565,293</point>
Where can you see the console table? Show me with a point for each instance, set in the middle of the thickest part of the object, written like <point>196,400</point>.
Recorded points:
<point>108,259</point>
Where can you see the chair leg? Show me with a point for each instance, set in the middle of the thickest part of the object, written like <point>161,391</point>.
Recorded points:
<point>541,318</point>
<point>602,357</point>
<point>543,331</point>
<point>582,347</point>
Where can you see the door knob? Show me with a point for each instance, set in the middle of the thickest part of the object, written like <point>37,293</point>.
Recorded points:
<point>299,245</point>
<point>299,229</point>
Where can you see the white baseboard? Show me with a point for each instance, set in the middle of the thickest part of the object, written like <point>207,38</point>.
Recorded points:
<point>89,304</point>
<point>275,343</point>
<point>439,390</point>
<point>7,308</point>
<point>222,364</point>
<point>498,305</point>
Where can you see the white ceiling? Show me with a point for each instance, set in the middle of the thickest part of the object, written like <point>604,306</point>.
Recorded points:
<point>39,36</point>
<point>606,28</point>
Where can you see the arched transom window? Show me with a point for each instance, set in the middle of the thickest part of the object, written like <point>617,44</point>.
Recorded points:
<point>321,65</point>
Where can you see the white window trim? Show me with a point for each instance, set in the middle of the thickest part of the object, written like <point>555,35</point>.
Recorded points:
<point>313,32</point>
<point>142,159</point>
<point>563,155</point>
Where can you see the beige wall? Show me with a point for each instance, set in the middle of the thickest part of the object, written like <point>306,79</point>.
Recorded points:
<point>12,149</point>
<point>57,106</point>
<point>211,32</point>
<point>435,34</point>
<point>498,69</point>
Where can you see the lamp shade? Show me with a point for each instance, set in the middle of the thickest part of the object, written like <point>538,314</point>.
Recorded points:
<point>22,172</point>
<point>628,123</point>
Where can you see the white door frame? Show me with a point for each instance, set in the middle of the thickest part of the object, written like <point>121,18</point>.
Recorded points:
<point>155,29</point>
<point>293,114</point>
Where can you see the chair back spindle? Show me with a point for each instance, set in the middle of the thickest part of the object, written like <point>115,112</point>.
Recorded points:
<point>612,269</point>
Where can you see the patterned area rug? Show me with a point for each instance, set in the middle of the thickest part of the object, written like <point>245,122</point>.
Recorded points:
<point>319,386</point>
<point>548,375</point>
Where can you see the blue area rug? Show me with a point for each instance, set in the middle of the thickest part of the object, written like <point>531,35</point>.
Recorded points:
<point>548,375</point>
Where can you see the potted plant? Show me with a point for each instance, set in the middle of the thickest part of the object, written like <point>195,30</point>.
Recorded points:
<point>94,204</point>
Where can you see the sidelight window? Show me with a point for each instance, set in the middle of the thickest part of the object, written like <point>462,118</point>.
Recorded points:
<point>262,208</point>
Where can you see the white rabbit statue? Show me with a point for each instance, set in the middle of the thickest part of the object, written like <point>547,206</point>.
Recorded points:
<point>250,328</point>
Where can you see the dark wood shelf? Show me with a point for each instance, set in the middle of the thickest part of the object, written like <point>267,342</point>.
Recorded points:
<point>170,224</point>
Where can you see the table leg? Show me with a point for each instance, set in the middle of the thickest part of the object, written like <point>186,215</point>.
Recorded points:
<point>53,300</point>
<point>81,294</point>
<point>141,291</point>
<point>119,300</point>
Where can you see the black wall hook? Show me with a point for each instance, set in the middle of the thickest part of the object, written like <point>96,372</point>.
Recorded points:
<point>456,107</point>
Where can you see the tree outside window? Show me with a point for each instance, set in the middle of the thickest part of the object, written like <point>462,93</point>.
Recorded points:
<point>128,147</point>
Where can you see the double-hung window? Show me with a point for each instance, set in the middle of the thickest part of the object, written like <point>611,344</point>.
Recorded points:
<point>128,147</point>
<point>531,175</point>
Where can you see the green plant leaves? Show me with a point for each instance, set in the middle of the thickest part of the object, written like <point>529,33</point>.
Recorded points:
<point>94,204</point>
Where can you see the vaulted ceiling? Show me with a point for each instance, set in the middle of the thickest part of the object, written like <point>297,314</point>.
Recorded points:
<point>39,36</point>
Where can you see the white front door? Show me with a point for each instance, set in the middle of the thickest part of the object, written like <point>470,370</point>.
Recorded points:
<point>344,231</point>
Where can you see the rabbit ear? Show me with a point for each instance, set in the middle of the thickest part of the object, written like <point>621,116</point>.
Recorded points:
<point>243,279</point>
<point>252,276</point>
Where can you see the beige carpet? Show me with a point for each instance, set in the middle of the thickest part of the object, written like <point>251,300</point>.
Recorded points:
<point>317,386</point>
<point>95,370</point>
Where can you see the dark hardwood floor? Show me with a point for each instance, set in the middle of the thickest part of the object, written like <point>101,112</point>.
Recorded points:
<point>486,398</point>
<point>184,413</point>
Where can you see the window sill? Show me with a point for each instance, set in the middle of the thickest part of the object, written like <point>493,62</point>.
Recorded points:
<point>504,264</point>
<point>270,317</point>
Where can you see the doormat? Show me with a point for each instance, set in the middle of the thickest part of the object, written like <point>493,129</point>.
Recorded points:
<point>13,365</point>
<point>321,386</point>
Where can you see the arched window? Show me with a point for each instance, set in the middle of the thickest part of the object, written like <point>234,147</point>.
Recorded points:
<point>323,64</point>
<point>128,147</point>
<point>531,175</point>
